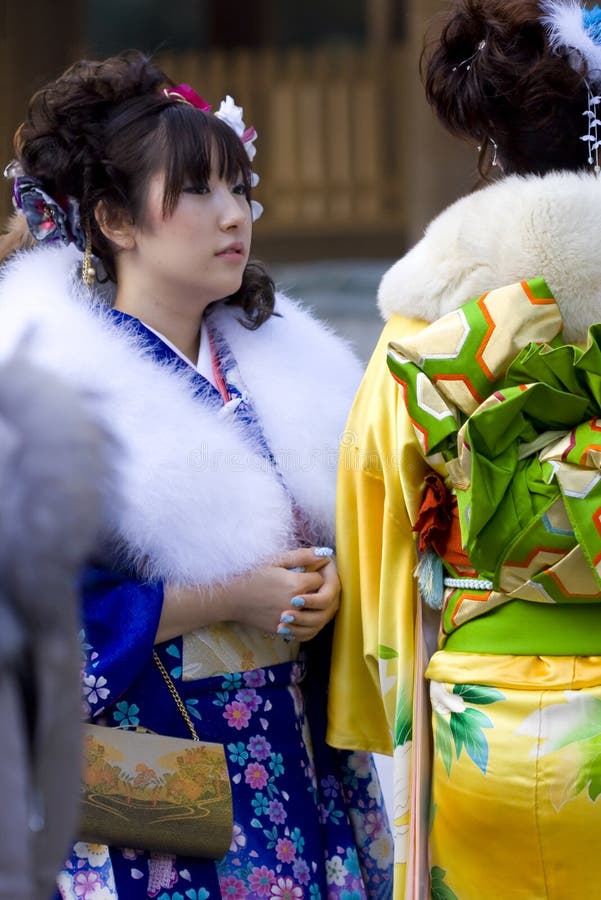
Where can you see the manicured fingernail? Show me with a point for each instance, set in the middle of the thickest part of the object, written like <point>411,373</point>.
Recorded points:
<point>283,630</point>
<point>297,569</point>
<point>323,551</point>
<point>297,601</point>
<point>286,618</point>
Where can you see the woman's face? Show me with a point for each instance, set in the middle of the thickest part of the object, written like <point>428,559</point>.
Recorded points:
<point>200,251</point>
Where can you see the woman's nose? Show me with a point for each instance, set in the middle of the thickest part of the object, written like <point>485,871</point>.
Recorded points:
<point>231,211</point>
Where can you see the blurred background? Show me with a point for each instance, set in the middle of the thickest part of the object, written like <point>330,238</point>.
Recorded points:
<point>352,163</point>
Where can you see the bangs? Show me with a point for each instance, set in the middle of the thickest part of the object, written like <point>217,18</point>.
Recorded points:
<point>192,141</point>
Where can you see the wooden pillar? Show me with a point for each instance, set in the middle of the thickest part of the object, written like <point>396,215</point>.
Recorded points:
<point>38,39</point>
<point>378,14</point>
<point>439,168</point>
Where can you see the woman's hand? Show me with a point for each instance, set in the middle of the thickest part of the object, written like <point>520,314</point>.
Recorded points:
<point>305,621</point>
<point>308,598</point>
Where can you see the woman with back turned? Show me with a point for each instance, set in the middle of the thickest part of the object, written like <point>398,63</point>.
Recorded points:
<point>470,491</point>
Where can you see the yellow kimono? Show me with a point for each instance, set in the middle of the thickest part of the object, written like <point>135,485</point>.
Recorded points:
<point>504,804</point>
<point>379,491</point>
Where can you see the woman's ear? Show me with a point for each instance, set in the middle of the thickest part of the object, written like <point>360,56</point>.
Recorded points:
<point>116,225</point>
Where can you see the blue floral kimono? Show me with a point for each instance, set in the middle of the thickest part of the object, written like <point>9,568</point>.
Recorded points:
<point>309,821</point>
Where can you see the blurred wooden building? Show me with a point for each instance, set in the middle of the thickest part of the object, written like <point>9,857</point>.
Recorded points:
<point>352,162</point>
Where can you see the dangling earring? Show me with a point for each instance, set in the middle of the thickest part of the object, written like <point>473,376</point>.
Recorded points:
<point>88,272</point>
<point>495,152</point>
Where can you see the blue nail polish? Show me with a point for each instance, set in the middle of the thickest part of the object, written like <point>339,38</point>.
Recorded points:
<point>297,569</point>
<point>297,601</point>
<point>323,551</point>
<point>287,618</point>
<point>283,630</point>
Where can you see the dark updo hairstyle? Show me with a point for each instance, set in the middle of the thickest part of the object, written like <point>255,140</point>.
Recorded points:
<point>513,90</point>
<point>102,129</point>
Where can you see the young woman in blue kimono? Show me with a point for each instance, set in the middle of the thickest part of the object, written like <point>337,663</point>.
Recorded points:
<point>228,401</point>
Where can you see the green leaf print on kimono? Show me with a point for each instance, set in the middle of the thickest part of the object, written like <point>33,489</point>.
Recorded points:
<point>570,728</point>
<point>459,725</point>
<point>439,890</point>
<point>403,725</point>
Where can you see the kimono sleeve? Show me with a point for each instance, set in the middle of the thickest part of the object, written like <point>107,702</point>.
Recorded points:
<point>380,482</point>
<point>120,616</point>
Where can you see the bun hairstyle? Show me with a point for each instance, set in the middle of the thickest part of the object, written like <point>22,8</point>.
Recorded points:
<point>102,129</point>
<point>492,78</point>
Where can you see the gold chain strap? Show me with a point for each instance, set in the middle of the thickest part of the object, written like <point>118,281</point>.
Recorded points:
<point>175,695</point>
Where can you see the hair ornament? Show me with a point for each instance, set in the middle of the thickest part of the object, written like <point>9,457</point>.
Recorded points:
<point>232,115</point>
<point>183,93</point>
<point>572,28</point>
<point>48,220</point>
<point>592,135</point>
<point>468,62</point>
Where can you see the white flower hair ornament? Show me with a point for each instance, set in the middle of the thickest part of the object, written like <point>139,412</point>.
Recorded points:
<point>575,30</point>
<point>232,115</point>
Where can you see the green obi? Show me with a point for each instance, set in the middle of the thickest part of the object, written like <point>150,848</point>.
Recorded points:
<point>513,414</point>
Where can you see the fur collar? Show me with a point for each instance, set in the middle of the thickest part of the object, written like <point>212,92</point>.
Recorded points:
<point>517,228</point>
<point>196,504</point>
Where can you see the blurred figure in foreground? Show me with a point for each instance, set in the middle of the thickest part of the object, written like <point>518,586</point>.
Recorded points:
<point>53,461</point>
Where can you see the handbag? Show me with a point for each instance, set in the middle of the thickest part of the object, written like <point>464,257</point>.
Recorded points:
<point>147,791</point>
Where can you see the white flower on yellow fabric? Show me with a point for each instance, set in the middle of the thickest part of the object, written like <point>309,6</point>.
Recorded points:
<point>96,854</point>
<point>561,724</point>
<point>400,835</point>
<point>400,829</point>
<point>444,702</point>
<point>402,765</point>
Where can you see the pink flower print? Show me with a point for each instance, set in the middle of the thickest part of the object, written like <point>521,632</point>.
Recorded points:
<point>285,850</point>
<point>237,715</point>
<point>285,889</point>
<point>374,824</point>
<point>276,812</point>
<point>238,839</point>
<point>260,881</point>
<point>259,747</point>
<point>250,697</point>
<point>301,871</point>
<point>232,888</point>
<point>256,775</point>
<point>94,688</point>
<point>85,883</point>
<point>255,678</point>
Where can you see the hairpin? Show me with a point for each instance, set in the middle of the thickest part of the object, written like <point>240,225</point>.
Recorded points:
<point>468,62</point>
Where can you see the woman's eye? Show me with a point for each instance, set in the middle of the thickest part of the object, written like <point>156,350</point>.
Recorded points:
<point>239,188</point>
<point>196,189</point>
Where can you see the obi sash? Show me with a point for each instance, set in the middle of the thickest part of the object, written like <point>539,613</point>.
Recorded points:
<point>510,417</point>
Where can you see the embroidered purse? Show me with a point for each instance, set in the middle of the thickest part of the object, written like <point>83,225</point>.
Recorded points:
<point>148,791</point>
